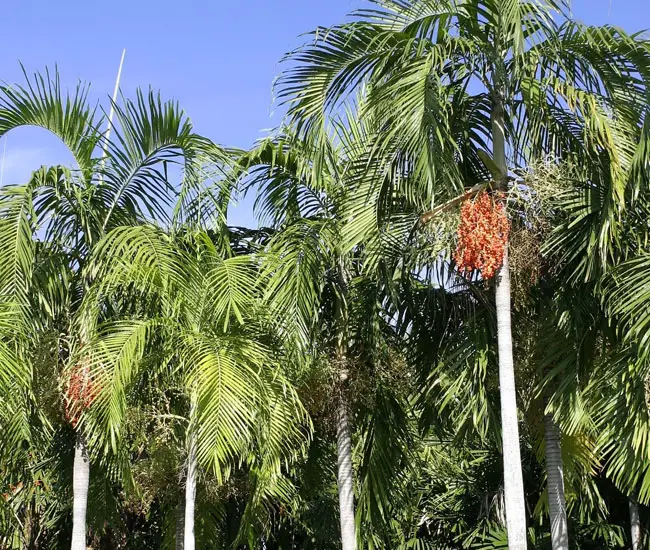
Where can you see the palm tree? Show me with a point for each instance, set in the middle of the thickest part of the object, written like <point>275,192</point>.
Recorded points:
<point>445,78</point>
<point>334,299</point>
<point>620,400</point>
<point>600,359</point>
<point>300,191</point>
<point>51,226</point>
<point>203,320</point>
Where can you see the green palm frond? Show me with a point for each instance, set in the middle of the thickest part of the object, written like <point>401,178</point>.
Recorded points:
<point>42,102</point>
<point>282,437</point>
<point>228,389</point>
<point>623,422</point>
<point>143,256</point>
<point>15,398</point>
<point>17,246</point>
<point>232,290</point>
<point>626,291</point>
<point>292,184</point>
<point>113,362</point>
<point>198,322</point>
<point>295,269</point>
<point>152,135</point>
<point>387,442</point>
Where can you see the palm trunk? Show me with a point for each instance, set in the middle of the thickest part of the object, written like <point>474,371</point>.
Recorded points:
<point>190,497</point>
<point>555,485</point>
<point>635,522</point>
<point>345,474</point>
<point>512,477</point>
<point>180,522</point>
<point>80,481</point>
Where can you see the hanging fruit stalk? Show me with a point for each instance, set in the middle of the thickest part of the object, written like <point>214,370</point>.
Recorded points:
<point>80,392</point>
<point>482,236</point>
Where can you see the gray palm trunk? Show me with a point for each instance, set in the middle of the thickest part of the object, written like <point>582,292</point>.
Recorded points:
<point>635,522</point>
<point>345,473</point>
<point>512,477</point>
<point>555,485</point>
<point>190,497</point>
<point>80,481</point>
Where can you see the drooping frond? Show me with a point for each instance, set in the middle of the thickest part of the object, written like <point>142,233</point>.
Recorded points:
<point>295,269</point>
<point>287,177</point>
<point>115,356</point>
<point>17,247</point>
<point>231,290</point>
<point>627,297</point>
<point>143,256</point>
<point>42,102</point>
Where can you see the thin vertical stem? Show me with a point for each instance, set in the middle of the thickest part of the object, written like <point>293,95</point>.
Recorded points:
<point>190,482</point>
<point>80,482</point>
<point>635,522</point>
<point>512,476</point>
<point>555,485</point>
<point>345,473</point>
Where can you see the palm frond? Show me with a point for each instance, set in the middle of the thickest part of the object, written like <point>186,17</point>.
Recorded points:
<point>42,102</point>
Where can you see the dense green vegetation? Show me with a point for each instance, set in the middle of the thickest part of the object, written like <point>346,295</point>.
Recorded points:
<point>348,373</point>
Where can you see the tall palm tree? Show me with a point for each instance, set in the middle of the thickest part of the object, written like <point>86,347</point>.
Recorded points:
<point>300,191</point>
<point>332,297</point>
<point>51,225</point>
<point>619,384</point>
<point>445,78</point>
<point>598,363</point>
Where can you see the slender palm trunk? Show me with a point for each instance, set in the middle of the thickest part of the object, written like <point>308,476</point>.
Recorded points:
<point>635,522</point>
<point>190,497</point>
<point>80,481</point>
<point>345,474</point>
<point>512,476</point>
<point>180,522</point>
<point>555,485</point>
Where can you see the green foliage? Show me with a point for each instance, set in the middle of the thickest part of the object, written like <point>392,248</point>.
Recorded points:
<point>231,341</point>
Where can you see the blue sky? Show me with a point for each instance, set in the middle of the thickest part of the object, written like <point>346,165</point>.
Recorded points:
<point>217,58</point>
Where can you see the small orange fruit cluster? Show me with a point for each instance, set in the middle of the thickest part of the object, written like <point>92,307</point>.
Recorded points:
<point>80,393</point>
<point>482,236</point>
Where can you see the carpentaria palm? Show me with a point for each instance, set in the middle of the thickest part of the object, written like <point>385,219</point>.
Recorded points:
<point>197,319</point>
<point>333,301</point>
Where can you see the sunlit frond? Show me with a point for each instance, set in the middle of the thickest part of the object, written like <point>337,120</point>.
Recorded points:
<point>42,102</point>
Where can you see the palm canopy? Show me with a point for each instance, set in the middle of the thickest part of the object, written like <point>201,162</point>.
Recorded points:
<point>300,192</point>
<point>597,365</point>
<point>304,188</point>
<point>197,319</point>
<point>431,72</point>
<point>614,388</point>
<point>68,209</point>
<point>442,80</point>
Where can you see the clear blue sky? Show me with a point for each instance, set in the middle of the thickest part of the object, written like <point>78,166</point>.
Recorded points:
<point>217,58</point>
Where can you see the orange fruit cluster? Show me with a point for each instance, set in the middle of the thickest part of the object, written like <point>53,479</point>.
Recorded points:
<point>482,236</point>
<point>80,393</point>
